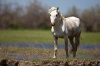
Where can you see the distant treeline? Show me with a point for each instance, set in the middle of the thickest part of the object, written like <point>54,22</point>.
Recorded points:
<point>89,17</point>
<point>35,16</point>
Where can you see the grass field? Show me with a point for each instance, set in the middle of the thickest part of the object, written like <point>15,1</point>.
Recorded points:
<point>41,36</point>
<point>44,36</point>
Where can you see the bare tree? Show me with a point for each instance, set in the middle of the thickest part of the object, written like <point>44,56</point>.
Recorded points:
<point>91,18</point>
<point>73,12</point>
<point>33,16</point>
<point>36,16</point>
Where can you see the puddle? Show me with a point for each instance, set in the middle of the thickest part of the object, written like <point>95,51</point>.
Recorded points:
<point>45,45</point>
<point>24,57</point>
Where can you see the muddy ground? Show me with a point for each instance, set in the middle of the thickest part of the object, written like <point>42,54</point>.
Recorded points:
<point>75,62</point>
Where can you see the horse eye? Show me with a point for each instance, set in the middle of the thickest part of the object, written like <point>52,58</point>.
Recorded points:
<point>56,15</point>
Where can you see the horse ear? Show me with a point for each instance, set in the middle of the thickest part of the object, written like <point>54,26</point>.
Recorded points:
<point>49,10</point>
<point>57,8</point>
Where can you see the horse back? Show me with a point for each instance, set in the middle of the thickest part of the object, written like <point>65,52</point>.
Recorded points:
<point>73,25</point>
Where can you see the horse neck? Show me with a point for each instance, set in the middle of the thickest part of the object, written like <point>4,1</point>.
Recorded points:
<point>59,24</point>
<point>60,19</point>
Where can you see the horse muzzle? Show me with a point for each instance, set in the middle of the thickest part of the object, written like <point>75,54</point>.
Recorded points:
<point>52,24</point>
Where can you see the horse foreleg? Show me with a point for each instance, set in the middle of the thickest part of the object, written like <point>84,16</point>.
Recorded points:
<point>66,46</point>
<point>55,47</point>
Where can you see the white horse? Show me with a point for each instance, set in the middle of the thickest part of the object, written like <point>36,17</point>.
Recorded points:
<point>65,28</point>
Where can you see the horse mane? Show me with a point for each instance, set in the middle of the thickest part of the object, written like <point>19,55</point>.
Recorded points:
<point>61,16</point>
<point>52,9</point>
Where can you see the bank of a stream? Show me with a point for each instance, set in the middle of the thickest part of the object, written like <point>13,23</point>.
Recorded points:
<point>74,62</point>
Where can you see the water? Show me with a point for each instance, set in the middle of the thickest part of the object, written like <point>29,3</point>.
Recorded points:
<point>45,45</point>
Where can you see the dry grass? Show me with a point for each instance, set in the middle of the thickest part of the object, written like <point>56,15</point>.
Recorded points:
<point>41,53</point>
<point>93,52</point>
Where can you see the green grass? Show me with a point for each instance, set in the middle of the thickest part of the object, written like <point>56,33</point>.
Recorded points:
<point>90,37</point>
<point>25,36</point>
<point>42,36</point>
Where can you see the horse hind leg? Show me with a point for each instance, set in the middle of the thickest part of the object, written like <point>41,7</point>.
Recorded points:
<point>72,44</point>
<point>77,42</point>
<point>66,46</point>
<point>73,47</point>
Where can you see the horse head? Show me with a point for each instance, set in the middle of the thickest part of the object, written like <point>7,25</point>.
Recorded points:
<point>54,15</point>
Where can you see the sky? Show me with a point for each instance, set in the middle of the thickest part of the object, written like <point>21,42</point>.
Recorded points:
<point>64,5</point>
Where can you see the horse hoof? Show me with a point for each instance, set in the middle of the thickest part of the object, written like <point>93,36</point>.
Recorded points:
<point>54,57</point>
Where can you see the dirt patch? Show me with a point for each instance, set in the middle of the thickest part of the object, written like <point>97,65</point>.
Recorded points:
<point>76,62</point>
